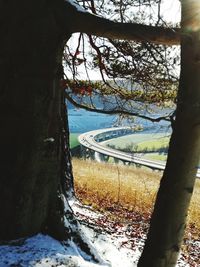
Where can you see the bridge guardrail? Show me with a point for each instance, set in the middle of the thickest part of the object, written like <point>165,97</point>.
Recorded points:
<point>88,140</point>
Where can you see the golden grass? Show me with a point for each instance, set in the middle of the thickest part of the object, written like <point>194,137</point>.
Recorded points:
<point>194,209</point>
<point>104,185</point>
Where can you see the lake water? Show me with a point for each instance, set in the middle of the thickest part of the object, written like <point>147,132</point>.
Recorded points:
<point>82,121</point>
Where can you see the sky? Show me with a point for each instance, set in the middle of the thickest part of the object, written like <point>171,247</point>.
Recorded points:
<point>171,10</point>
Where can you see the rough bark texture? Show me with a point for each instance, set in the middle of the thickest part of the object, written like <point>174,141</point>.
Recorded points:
<point>31,100</point>
<point>169,217</point>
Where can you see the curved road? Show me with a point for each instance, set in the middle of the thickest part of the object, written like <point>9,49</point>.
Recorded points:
<point>88,140</point>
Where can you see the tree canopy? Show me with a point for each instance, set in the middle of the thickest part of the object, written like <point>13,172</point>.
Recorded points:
<point>142,67</point>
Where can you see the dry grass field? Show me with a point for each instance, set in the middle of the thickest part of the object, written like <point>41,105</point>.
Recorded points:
<point>107,187</point>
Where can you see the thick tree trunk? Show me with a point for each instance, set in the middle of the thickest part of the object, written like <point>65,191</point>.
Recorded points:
<point>31,108</point>
<point>169,217</point>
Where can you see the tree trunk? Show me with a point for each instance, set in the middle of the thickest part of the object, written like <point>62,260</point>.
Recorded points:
<point>32,128</point>
<point>168,221</point>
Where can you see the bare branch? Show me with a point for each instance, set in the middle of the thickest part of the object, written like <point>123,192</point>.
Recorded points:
<point>115,111</point>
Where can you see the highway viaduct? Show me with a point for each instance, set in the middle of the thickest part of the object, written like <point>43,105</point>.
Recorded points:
<point>91,147</point>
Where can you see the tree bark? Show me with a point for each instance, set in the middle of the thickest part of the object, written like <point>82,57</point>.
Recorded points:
<point>94,25</point>
<point>168,221</point>
<point>31,136</point>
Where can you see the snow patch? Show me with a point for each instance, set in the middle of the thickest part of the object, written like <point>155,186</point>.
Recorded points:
<point>43,251</point>
<point>80,8</point>
<point>110,249</point>
<point>77,6</point>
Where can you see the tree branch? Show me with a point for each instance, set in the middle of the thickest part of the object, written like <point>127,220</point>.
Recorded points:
<point>115,111</point>
<point>85,22</point>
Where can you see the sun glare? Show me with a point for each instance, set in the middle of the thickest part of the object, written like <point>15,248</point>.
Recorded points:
<point>191,15</point>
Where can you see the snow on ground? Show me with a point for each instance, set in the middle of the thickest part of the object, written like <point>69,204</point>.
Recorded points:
<point>44,251</point>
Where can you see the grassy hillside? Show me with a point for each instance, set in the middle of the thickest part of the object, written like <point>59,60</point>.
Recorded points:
<point>153,145</point>
<point>73,139</point>
<point>108,187</point>
<point>136,138</point>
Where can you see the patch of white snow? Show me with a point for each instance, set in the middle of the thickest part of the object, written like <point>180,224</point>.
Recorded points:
<point>43,251</point>
<point>77,6</point>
